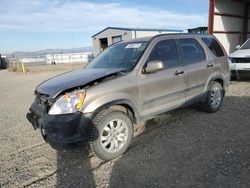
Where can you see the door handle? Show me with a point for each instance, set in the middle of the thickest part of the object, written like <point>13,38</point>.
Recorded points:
<point>210,65</point>
<point>178,72</point>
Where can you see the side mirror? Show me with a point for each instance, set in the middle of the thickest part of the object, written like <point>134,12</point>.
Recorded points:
<point>154,66</point>
<point>237,47</point>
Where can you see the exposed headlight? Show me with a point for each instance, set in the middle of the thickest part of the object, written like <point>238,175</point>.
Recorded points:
<point>68,103</point>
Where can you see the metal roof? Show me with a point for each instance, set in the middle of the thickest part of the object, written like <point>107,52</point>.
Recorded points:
<point>147,39</point>
<point>137,29</point>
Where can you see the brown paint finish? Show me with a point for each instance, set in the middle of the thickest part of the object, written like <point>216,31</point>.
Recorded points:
<point>211,17</point>
<point>229,32</point>
<point>228,15</point>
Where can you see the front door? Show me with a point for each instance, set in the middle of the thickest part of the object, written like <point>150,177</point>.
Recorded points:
<point>163,90</point>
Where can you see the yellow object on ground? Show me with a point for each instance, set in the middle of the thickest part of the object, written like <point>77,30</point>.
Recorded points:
<point>23,67</point>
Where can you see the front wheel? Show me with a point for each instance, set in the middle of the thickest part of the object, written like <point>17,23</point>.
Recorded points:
<point>112,134</point>
<point>214,98</point>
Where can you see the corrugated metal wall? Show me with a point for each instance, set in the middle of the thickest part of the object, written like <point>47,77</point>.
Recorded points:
<point>230,22</point>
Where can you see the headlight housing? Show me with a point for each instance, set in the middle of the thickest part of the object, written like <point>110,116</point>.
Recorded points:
<point>68,103</point>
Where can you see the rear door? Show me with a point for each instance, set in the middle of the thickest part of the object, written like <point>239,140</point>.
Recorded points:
<point>165,89</point>
<point>218,55</point>
<point>197,68</point>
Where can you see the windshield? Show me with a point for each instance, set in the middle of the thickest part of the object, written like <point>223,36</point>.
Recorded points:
<point>246,45</point>
<point>119,56</point>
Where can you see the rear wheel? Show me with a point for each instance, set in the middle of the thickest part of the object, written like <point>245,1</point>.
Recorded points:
<point>214,98</point>
<point>112,134</point>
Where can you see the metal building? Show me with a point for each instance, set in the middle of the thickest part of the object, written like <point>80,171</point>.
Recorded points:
<point>229,22</point>
<point>198,30</point>
<point>59,58</point>
<point>111,35</point>
<point>63,58</point>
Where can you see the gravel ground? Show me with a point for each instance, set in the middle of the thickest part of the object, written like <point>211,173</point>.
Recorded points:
<point>184,148</point>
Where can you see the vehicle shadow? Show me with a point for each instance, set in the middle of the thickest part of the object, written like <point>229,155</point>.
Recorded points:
<point>183,148</point>
<point>190,148</point>
<point>74,168</point>
<point>241,78</point>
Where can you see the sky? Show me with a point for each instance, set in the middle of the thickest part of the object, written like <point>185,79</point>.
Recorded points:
<point>29,25</point>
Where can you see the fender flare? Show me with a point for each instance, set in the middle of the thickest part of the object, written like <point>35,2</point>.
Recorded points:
<point>123,102</point>
<point>210,80</point>
<point>215,78</point>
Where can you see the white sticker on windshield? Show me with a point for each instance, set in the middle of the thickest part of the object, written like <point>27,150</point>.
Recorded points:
<point>134,45</point>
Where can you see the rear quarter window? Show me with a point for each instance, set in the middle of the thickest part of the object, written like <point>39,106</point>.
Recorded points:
<point>214,46</point>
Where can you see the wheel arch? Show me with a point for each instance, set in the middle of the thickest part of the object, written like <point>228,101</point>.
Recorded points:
<point>218,79</point>
<point>124,105</point>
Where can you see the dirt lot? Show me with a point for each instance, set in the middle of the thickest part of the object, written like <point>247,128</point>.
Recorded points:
<point>185,148</point>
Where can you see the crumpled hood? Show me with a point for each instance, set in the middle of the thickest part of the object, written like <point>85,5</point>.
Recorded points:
<point>240,53</point>
<point>73,79</point>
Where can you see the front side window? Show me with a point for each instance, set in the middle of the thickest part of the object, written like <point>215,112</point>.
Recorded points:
<point>123,56</point>
<point>166,52</point>
<point>192,51</point>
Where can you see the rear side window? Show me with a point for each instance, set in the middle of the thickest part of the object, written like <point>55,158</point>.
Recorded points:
<point>166,52</point>
<point>214,46</point>
<point>192,51</point>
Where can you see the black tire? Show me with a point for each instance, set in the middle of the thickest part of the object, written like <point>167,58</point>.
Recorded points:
<point>210,104</point>
<point>103,120</point>
<point>233,75</point>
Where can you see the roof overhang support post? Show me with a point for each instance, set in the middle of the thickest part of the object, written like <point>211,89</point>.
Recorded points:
<point>211,17</point>
<point>245,23</point>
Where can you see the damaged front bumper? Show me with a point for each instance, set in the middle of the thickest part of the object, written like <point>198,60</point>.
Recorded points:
<point>60,130</point>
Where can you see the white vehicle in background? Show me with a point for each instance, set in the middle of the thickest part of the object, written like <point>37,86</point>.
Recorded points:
<point>239,61</point>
